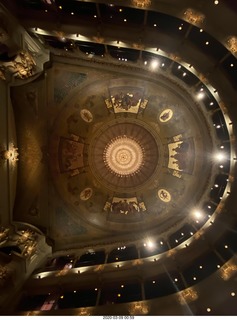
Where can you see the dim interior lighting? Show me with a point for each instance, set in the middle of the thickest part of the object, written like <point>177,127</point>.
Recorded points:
<point>201,30</point>
<point>175,279</point>
<point>200,267</point>
<point>226,247</point>
<point>60,7</point>
<point>119,295</point>
<point>96,289</point>
<point>122,286</point>
<point>207,43</point>
<point>232,294</point>
<point>72,13</point>
<point>153,281</point>
<point>74,291</point>
<point>61,297</point>
<point>125,20</point>
<point>216,2</point>
<point>208,309</point>
<point>194,278</point>
<point>218,266</point>
<point>154,24</point>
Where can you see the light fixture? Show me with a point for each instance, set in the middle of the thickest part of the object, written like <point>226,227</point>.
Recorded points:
<point>154,64</point>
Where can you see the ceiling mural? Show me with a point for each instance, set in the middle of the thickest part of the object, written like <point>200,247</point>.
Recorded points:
<point>128,153</point>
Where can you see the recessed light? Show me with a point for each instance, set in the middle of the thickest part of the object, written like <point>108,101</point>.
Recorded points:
<point>208,309</point>
<point>125,20</point>
<point>154,24</point>
<point>72,13</point>
<point>207,43</point>
<point>216,2</point>
<point>60,7</point>
<point>232,294</point>
<point>201,30</point>
<point>231,65</point>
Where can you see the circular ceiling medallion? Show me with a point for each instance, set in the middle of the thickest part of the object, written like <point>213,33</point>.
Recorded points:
<point>164,195</point>
<point>86,194</point>
<point>86,115</point>
<point>166,115</point>
<point>124,156</point>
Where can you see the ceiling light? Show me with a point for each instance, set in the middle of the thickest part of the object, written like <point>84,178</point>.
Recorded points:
<point>120,10</point>
<point>232,65</point>
<point>154,64</point>
<point>60,7</point>
<point>153,281</point>
<point>194,278</point>
<point>125,20</point>
<point>72,13</point>
<point>226,247</point>
<point>208,309</point>
<point>184,74</point>
<point>200,267</point>
<point>232,294</point>
<point>95,16</point>
<point>175,279</point>
<point>179,67</point>
<point>207,43</point>
<point>216,2</point>
<point>200,95</point>
<point>197,214</point>
<point>220,156</point>
<point>150,244</point>
<point>122,285</point>
<point>218,266</point>
<point>154,24</point>
<point>201,30</point>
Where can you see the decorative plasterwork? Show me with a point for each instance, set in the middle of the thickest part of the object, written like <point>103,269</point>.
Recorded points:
<point>193,16</point>
<point>232,44</point>
<point>124,156</point>
<point>141,3</point>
